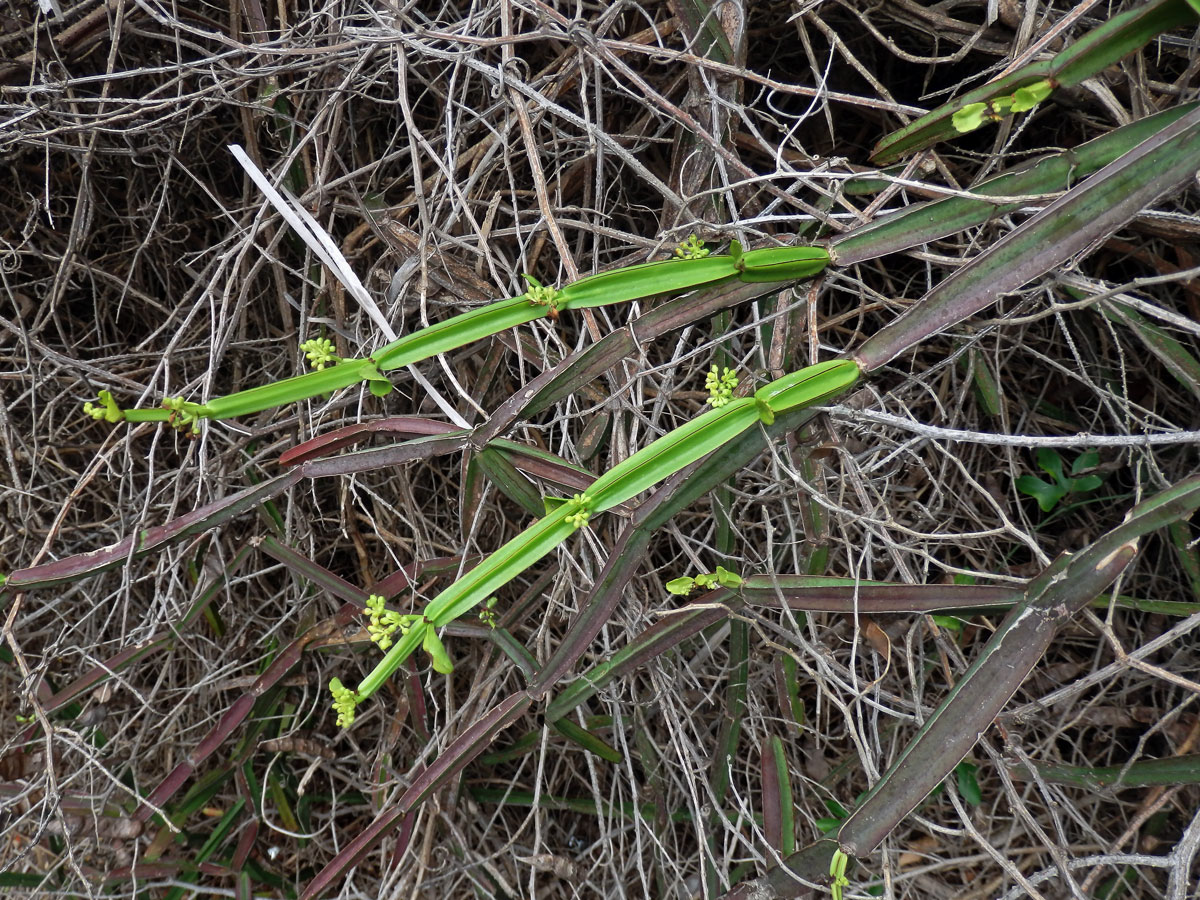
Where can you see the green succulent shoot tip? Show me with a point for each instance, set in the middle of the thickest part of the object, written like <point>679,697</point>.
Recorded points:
<point>106,409</point>
<point>1021,100</point>
<point>720,578</point>
<point>720,386</point>
<point>692,248</point>
<point>837,874</point>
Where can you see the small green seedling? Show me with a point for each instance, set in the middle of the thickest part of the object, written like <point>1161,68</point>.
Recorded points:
<point>837,815</point>
<point>968,784</point>
<point>1048,494</point>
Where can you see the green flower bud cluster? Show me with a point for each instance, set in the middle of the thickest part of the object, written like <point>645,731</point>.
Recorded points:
<point>720,386</point>
<point>184,415</point>
<point>385,622</point>
<point>320,353</point>
<point>540,295</point>
<point>345,701</point>
<point>584,513</point>
<point>487,615</point>
<point>692,248</point>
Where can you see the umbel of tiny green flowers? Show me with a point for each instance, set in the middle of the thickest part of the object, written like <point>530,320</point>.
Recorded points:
<point>184,415</point>
<point>720,386</point>
<point>344,702</point>
<point>692,248</point>
<point>581,516</point>
<point>487,615</point>
<point>540,295</point>
<point>384,622</point>
<point>320,353</point>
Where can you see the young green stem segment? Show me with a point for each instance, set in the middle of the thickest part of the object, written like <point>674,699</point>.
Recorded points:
<point>641,471</point>
<point>695,270</point>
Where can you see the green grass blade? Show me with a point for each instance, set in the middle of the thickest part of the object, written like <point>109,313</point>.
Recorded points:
<point>590,742</point>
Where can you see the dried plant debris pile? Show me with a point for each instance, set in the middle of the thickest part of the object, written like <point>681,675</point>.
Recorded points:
<point>711,449</point>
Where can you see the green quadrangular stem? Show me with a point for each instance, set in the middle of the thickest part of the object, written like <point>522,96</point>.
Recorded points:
<point>621,285</point>
<point>1119,36</point>
<point>1069,225</point>
<point>923,223</point>
<point>661,459</point>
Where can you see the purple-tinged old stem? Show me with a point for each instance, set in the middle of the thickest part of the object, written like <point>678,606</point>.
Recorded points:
<point>283,663</point>
<point>127,657</point>
<point>75,567</point>
<point>924,223</point>
<point>966,714</point>
<point>461,751</point>
<point>1082,216</point>
<point>798,592</point>
<point>803,874</point>
<point>400,426</point>
<point>1051,599</point>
